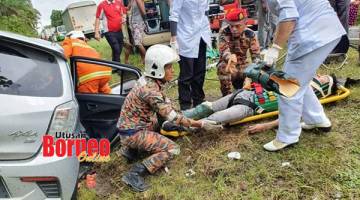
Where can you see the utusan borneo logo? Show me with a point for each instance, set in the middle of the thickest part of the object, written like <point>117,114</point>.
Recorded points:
<point>71,144</point>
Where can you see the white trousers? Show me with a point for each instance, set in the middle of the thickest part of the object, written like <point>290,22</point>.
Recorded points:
<point>304,104</point>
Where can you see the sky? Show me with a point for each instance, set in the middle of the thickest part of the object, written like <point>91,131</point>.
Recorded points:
<point>46,6</point>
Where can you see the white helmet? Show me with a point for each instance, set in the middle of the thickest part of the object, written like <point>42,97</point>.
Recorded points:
<point>75,35</point>
<point>157,56</point>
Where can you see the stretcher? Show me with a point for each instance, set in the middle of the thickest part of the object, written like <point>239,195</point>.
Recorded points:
<point>342,93</point>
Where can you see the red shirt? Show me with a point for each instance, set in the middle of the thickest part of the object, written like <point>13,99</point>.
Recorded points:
<point>113,14</point>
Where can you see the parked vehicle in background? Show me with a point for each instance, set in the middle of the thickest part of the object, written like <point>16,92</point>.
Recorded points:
<point>80,16</point>
<point>157,25</point>
<point>252,10</point>
<point>47,33</point>
<point>60,33</point>
<point>157,17</point>
<point>219,8</point>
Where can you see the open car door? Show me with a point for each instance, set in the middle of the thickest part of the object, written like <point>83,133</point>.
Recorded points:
<point>99,112</point>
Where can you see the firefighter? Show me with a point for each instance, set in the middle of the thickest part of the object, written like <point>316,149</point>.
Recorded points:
<point>91,78</point>
<point>235,40</point>
<point>138,118</point>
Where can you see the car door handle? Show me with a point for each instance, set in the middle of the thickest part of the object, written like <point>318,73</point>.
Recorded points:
<point>91,106</point>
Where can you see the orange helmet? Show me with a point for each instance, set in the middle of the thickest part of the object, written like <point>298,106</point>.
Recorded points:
<point>236,16</point>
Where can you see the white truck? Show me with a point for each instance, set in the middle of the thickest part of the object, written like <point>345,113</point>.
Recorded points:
<point>47,33</point>
<point>80,16</point>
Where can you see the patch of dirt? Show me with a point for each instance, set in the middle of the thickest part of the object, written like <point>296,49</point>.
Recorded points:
<point>108,176</point>
<point>243,186</point>
<point>280,181</point>
<point>211,97</point>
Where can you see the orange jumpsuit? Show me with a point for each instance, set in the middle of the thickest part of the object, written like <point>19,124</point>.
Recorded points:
<point>91,78</point>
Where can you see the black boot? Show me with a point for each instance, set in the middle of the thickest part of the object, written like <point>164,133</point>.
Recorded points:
<point>131,155</point>
<point>135,177</point>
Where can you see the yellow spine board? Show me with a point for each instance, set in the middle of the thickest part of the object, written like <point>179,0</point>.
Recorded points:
<point>342,94</point>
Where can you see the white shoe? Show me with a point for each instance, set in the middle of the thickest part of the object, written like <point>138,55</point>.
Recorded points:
<point>325,126</point>
<point>276,145</point>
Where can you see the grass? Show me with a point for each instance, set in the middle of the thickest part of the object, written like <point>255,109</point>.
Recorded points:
<point>322,166</point>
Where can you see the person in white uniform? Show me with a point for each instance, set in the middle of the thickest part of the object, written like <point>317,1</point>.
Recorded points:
<point>190,33</point>
<point>312,30</point>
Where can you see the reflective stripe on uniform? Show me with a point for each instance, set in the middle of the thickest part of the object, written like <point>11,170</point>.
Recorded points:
<point>77,44</point>
<point>93,75</point>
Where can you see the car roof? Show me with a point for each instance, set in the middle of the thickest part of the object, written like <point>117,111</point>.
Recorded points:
<point>33,42</point>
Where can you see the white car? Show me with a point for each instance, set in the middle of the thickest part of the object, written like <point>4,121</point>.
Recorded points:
<point>38,97</point>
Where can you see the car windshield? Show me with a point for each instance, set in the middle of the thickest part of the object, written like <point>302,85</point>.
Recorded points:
<point>28,72</point>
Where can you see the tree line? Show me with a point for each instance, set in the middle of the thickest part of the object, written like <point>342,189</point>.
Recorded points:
<point>18,16</point>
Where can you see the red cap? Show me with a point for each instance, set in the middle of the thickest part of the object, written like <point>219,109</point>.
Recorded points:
<point>235,16</point>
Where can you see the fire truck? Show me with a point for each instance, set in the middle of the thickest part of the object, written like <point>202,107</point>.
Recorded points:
<point>219,8</point>
<point>217,12</point>
<point>157,18</point>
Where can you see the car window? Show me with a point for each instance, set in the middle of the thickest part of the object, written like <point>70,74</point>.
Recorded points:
<point>61,29</point>
<point>28,72</point>
<point>104,79</point>
<point>125,84</point>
